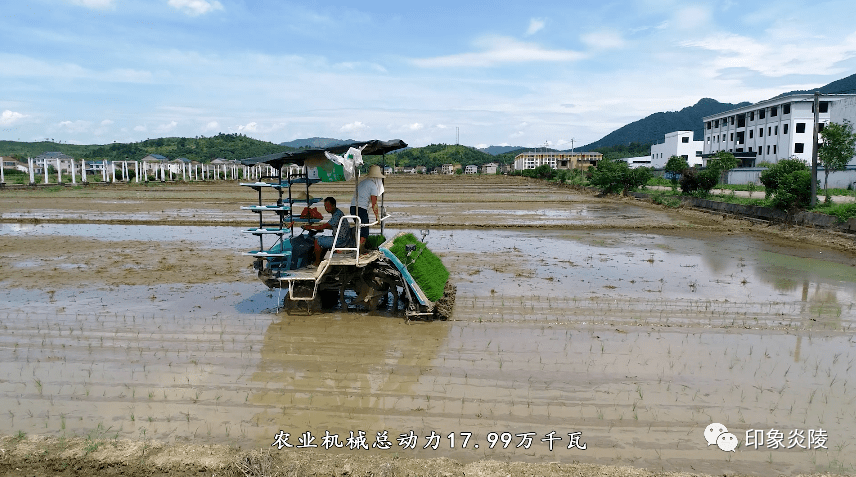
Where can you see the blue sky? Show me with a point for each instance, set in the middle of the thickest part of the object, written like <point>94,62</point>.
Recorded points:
<point>522,73</point>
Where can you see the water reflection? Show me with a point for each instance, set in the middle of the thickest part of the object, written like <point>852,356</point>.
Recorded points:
<point>343,372</point>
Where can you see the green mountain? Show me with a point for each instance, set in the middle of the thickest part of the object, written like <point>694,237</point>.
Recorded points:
<point>435,155</point>
<point>653,128</point>
<point>843,86</point>
<point>315,142</point>
<point>202,149</point>
<point>497,150</point>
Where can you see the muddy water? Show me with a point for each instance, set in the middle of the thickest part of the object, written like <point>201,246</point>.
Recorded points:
<point>635,340</point>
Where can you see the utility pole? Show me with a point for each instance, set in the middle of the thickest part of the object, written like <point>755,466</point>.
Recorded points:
<point>457,135</point>
<point>814,149</point>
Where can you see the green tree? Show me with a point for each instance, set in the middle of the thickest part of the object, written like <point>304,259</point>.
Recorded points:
<point>789,182</point>
<point>613,176</point>
<point>839,143</point>
<point>544,171</point>
<point>694,181</point>
<point>721,162</point>
<point>775,172</point>
<point>676,165</point>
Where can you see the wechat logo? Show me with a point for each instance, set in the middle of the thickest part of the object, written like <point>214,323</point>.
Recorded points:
<point>718,434</point>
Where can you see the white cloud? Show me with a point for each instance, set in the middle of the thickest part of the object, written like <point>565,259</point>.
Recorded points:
<point>354,127</point>
<point>692,17</point>
<point>94,4</point>
<point>8,117</point>
<point>211,126</point>
<point>359,66</point>
<point>481,146</point>
<point>500,50</point>
<point>441,126</point>
<point>24,66</point>
<point>776,58</point>
<point>165,128</point>
<point>74,126</point>
<point>603,40</point>
<point>249,127</point>
<point>535,24</point>
<point>106,122</point>
<point>140,128</point>
<point>196,7</point>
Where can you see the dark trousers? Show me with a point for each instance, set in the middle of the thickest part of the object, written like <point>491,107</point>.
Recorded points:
<point>363,214</point>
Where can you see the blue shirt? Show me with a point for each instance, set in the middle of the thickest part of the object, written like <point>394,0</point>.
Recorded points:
<point>344,239</point>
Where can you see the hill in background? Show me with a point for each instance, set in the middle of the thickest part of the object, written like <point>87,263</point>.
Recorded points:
<point>315,142</point>
<point>497,150</point>
<point>201,149</point>
<point>435,155</point>
<point>843,86</point>
<point>652,129</point>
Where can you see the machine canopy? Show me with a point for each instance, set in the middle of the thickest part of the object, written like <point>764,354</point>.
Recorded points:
<point>299,158</point>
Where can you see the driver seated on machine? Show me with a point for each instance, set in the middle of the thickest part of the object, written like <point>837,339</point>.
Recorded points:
<point>325,242</point>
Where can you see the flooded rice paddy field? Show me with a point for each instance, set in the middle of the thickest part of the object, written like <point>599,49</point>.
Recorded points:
<point>637,339</point>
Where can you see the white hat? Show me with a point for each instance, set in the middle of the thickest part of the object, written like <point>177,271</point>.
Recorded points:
<point>375,173</point>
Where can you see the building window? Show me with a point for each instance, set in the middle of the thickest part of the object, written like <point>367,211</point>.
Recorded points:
<point>769,131</point>
<point>786,109</point>
<point>820,127</point>
<point>761,132</point>
<point>799,147</point>
<point>800,127</point>
<point>698,154</point>
<point>768,149</point>
<point>751,115</point>
<point>741,121</point>
<point>761,113</point>
<point>708,124</point>
<point>774,111</point>
<point>750,133</point>
<point>785,128</point>
<point>774,148</point>
<point>732,120</point>
<point>776,130</point>
<point>685,140</point>
<point>716,123</point>
<point>708,139</point>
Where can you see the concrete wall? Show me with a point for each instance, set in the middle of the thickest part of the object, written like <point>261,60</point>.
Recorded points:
<point>838,179</point>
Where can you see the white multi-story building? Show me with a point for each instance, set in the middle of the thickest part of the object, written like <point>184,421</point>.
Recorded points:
<point>776,128</point>
<point>489,168</point>
<point>678,143</point>
<point>556,160</point>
